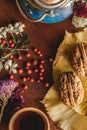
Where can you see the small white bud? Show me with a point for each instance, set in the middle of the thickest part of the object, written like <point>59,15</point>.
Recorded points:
<point>16,25</point>
<point>10,27</point>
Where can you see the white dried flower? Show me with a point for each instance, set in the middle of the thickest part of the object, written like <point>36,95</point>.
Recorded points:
<point>1,29</point>
<point>17,32</point>
<point>16,24</point>
<point>23,25</point>
<point>79,22</point>
<point>6,67</point>
<point>85,29</point>
<point>1,36</point>
<point>14,71</point>
<point>7,29</point>
<point>10,27</point>
<point>4,34</point>
<point>19,27</point>
<point>7,64</point>
<point>11,66</point>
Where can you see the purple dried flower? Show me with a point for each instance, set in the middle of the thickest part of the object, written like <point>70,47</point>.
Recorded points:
<point>7,86</point>
<point>17,102</point>
<point>6,89</point>
<point>17,99</point>
<point>19,91</point>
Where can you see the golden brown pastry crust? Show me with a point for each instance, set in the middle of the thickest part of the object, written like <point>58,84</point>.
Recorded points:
<point>63,64</point>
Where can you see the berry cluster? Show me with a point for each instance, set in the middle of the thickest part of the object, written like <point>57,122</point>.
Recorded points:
<point>14,50</point>
<point>33,69</point>
<point>12,42</point>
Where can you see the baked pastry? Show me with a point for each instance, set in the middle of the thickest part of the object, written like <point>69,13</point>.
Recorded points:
<point>63,116</point>
<point>69,61</point>
<point>70,89</point>
<point>79,59</point>
<point>66,100</point>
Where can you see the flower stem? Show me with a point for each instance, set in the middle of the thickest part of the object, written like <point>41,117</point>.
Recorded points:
<point>21,49</point>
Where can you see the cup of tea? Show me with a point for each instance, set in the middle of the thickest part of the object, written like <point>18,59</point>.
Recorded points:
<point>29,119</point>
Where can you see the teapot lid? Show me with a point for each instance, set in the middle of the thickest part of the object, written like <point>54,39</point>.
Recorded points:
<point>50,1</point>
<point>50,4</point>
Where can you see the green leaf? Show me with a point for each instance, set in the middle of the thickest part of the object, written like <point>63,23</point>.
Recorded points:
<point>15,52</point>
<point>26,43</point>
<point>2,46</point>
<point>24,37</point>
<point>1,53</point>
<point>19,44</point>
<point>15,40</point>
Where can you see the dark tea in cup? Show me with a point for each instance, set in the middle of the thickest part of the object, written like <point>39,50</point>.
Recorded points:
<point>29,119</point>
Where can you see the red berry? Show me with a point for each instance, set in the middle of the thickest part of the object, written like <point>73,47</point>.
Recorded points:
<point>11,76</point>
<point>19,57</point>
<point>29,71</point>
<point>17,83</point>
<point>41,55</point>
<point>28,64</point>
<point>40,74</point>
<point>38,52</point>
<point>35,50</point>
<point>40,66</point>
<point>42,61</point>
<point>10,41</point>
<point>12,45</point>
<point>42,70</point>
<point>25,87</point>
<point>41,78</point>
<point>3,41</point>
<point>35,62</point>
<point>24,79</point>
<point>28,54</point>
<point>47,84</point>
<point>36,70</point>
<point>11,56</point>
<point>38,81</point>
<point>31,80</point>
<point>28,78</point>
<point>20,71</point>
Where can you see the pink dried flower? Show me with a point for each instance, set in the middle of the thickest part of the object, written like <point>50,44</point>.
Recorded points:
<point>6,89</point>
<point>80,9</point>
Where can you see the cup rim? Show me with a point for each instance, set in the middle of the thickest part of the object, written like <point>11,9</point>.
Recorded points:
<point>33,109</point>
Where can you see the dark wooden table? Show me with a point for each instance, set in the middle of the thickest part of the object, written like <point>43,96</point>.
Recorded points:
<point>45,37</point>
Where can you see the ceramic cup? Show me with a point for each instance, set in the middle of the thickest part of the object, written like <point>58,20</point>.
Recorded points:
<point>29,119</point>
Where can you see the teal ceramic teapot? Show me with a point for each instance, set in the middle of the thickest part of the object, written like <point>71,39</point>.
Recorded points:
<point>48,11</point>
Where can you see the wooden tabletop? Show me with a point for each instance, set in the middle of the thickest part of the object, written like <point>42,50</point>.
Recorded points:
<point>44,37</point>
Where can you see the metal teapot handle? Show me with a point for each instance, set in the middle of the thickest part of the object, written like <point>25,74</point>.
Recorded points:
<point>31,19</point>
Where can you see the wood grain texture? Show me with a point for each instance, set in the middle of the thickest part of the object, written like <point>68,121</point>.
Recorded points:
<point>45,37</point>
